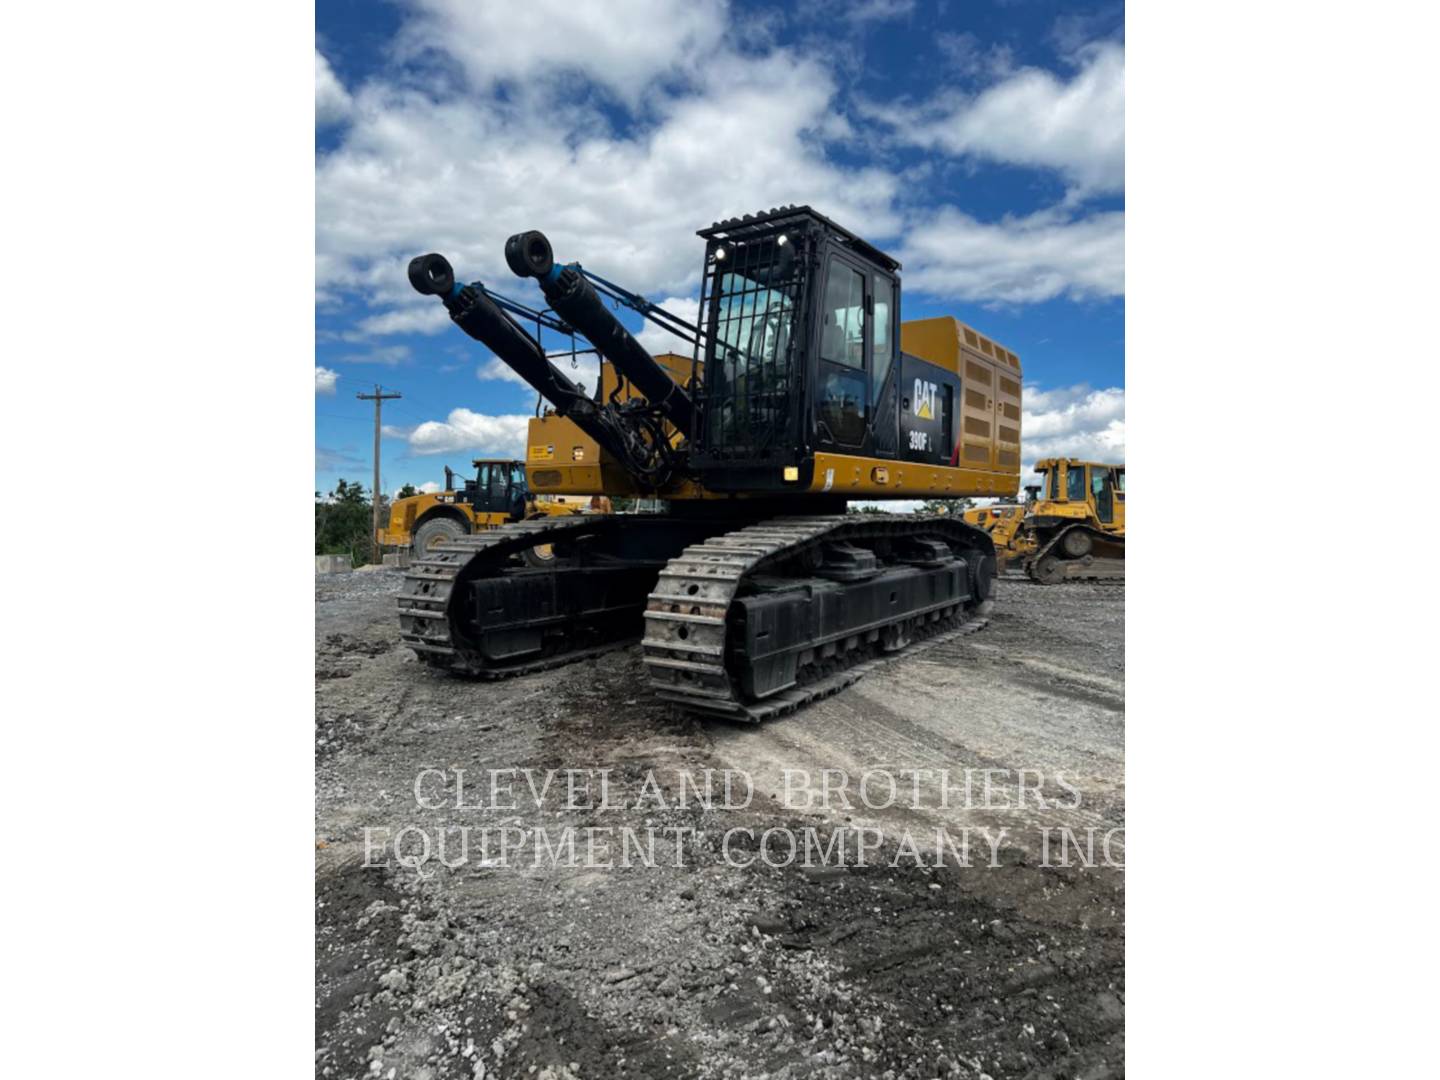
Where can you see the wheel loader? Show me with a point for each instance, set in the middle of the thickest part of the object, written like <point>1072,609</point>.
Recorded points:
<point>1076,527</point>
<point>1005,521</point>
<point>496,495</point>
<point>754,592</point>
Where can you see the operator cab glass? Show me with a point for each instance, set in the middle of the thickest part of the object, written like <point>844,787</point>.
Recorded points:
<point>800,342</point>
<point>844,398</point>
<point>1075,483</point>
<point>752,316</point>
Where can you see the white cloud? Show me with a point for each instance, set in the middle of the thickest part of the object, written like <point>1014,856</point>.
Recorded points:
<point>1017,260</point>
<point>389,355</point>
<point>332,100</point>
<point>657,340</point>
<point>621,44</point>
<point>325,380</point>
<point>973,59</point>
<point>879,10</point>
<point>1073,421</point>
<point>586,371</point>
<point>411,319</point>
<point>460,174</point>
<point>498,436</point>
<point>429,487</point>
<point>433,164</point>
<point>1034,118</point>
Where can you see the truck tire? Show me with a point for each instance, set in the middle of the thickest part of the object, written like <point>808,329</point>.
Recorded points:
<point>435,531</point>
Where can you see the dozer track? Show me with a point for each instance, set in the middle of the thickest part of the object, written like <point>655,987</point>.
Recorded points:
<point>436,622</point>
<point>1052,566</point>
<point>757,622</point>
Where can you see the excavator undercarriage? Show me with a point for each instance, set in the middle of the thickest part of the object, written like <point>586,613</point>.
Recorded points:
<point>746,623</point>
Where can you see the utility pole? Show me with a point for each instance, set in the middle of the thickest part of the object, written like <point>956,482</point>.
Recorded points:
<point>376,397</point>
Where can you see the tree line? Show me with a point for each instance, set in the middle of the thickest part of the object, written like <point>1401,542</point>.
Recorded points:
<point>342,521</point>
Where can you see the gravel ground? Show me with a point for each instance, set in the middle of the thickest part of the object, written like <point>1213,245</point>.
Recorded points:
<point>713,962</point>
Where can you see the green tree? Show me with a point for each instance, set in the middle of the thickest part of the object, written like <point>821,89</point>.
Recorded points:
<point>952,507</point>
<point>342,522</point>
<point>406,492</point>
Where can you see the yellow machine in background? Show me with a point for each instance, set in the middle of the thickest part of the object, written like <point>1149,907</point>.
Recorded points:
<point>1076,527</point>
<point>498,494</point>
<point>1005,522</point>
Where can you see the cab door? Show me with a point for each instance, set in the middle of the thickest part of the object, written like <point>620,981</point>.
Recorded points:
<point>1102,487</point>
<point>484,492</point>
<point>1119,499</point>
<point>843,392</point>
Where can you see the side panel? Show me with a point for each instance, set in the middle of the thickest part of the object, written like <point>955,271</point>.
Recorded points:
<point>927,426</point>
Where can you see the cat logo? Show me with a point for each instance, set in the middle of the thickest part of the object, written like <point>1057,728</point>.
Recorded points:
<point>925,394</point>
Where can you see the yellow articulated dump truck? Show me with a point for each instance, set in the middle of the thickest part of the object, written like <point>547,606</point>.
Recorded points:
<point>498,494</point>
<point>1077,524</point>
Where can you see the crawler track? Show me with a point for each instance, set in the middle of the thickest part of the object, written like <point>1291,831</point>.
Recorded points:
<point>1051,566</point>
<point>430,604</point>
<point>692,648</point>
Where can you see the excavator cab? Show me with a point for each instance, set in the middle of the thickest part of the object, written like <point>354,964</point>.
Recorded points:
<point>801,345</point>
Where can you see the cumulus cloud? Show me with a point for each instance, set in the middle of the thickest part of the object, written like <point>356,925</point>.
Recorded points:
<point>658,340</point>
<point>498,436</point>
<point>325,380</point>
<point>460,173</point>
<point>1073,421</point>
<point>445,157</point>
<point>332,100</point>
<point>1034,118</point>
<point>621,45</point>
<point>1017,260</point>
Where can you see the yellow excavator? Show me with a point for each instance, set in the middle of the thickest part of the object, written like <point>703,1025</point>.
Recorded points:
<point>753,592</point>
<point>496,495</point>
<point>1075,528</point>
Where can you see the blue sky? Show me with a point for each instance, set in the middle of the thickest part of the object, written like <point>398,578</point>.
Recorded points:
<point>982,143</point>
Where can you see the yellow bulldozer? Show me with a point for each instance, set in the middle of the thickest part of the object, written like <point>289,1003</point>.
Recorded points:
<point>498,494</point>
<point>1075,527</point>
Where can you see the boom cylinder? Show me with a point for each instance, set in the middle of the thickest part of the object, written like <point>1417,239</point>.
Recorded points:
<point>575,300</point>
<point>481,318</point>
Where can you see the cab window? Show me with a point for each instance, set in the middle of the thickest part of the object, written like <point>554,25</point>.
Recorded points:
<point>1120,481</point>
<point>884,345</point>
<point>1075,483</point>
<point>842,337</point>
<point>482,478</point>
<point>1052,484</point>
<point>844,399</point>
